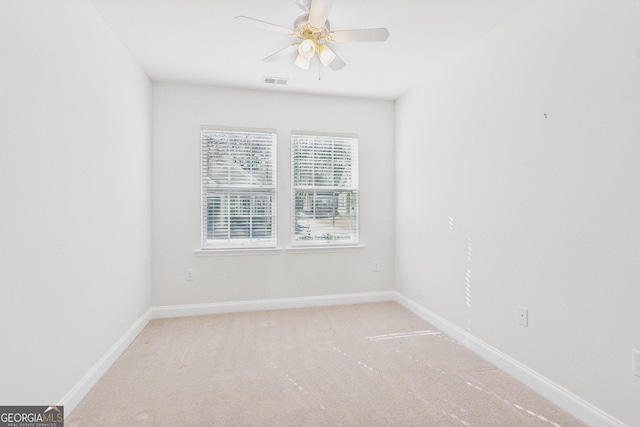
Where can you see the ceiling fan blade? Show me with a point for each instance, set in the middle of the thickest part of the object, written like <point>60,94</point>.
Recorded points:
<point>319,12</point>
<point>265,25</point>
<point>282,53</point>
<point>367,35</point>
<point>337,64</point>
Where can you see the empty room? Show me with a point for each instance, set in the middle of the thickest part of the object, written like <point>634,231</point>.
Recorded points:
<point>320,212</point>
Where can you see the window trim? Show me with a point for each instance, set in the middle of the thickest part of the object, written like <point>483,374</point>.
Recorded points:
<point>237,251</point>
<point>326,249</point>
<point>318,245</point>
<point>232,247</point>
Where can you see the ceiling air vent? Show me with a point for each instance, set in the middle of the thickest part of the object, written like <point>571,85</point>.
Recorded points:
<point>276,80</point>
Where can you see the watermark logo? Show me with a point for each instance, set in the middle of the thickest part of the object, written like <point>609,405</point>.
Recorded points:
<point>31,416</point>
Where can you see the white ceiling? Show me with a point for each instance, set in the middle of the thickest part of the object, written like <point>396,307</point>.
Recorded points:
<point>199,41</point>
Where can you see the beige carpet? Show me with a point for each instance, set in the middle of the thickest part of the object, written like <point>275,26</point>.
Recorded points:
<point>357,365</point>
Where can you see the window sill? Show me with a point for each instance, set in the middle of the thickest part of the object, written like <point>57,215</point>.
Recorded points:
<point>236,252</point>
<point>277,251</point>
<point>323,249</point>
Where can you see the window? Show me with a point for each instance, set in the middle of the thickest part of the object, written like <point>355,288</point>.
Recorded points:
<point>238,188</point>
<point>324,189</point>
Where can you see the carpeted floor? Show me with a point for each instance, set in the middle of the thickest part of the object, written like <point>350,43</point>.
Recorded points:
<point>356,365</point>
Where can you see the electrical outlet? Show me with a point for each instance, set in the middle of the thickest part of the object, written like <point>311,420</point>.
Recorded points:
<point>523,316</point>
<point>376,266</point>
<point>189,274</point>
<point>636,362</point>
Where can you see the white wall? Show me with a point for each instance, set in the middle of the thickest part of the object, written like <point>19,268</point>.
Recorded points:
<point>75,196</point>
<point>179,111</point>
<point>545,209</point>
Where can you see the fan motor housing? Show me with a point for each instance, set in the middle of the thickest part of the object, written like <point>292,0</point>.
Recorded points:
<point>301,24</point>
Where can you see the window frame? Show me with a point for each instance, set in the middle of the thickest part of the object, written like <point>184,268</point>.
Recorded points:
<point>353,190</point>
<point>210,190</point>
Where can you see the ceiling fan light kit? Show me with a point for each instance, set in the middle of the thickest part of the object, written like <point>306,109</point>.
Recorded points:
<point>307,48</point>
<point>311,43</point>
<point>314,31</point>
<point>302,62</point>
<point>326,55</point>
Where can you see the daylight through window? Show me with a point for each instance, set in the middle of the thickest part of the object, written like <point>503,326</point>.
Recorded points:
<point>325,189</point>
<point>238,188</point>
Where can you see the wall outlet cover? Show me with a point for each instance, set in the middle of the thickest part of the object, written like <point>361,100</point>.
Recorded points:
<point>523,316</point>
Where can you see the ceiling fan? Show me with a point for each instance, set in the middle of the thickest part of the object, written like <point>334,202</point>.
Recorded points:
<point>314,33</point>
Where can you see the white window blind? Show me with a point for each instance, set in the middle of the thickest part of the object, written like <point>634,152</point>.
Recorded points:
<point>238,188</point>
<point>324,189</point>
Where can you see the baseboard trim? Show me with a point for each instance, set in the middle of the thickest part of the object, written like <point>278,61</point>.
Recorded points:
<point>270,304</point>
<point>566,400</point>
<point>80,390</point>
<point>563,398</point>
